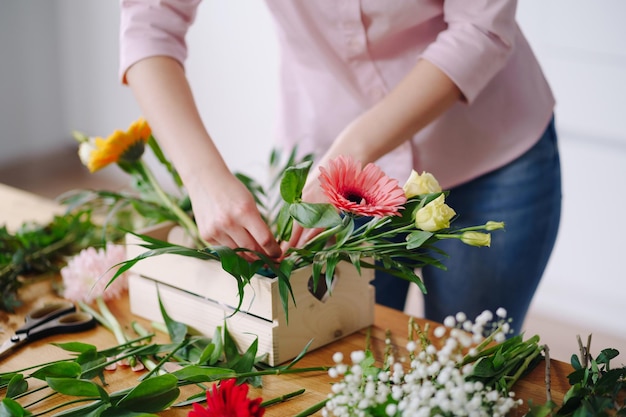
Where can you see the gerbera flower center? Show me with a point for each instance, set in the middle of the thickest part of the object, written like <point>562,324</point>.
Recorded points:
<point>355,197</point>
<point>133,152</point>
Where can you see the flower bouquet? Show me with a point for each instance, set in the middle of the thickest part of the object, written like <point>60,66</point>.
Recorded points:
<point>370,223</point>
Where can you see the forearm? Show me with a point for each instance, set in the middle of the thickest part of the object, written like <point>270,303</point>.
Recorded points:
<point>423,95</point>
<point>165,98</point>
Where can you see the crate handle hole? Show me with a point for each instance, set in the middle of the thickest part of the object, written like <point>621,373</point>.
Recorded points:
<point>322,292</point>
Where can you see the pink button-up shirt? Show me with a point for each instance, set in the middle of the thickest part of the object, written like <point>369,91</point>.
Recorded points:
<point>339,57</point>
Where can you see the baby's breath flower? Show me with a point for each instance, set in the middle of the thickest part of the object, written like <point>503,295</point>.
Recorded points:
<point>357,356</point>
<point>436,382</point>
<point>449,321</point>
<point>338,357</point>
<point>439,331</point>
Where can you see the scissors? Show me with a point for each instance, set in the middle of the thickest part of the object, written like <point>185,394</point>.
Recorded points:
<point>55,318</point>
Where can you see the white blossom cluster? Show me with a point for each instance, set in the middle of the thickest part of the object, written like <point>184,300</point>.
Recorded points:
<point>434,385</point>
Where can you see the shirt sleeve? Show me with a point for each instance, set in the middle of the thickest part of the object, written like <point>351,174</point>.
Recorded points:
<point>154,28</point>
<point>477,43</point>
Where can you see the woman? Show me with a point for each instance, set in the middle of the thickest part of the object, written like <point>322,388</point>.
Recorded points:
<point>450,87</point>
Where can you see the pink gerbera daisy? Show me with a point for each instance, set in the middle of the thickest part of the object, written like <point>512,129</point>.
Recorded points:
<point>365,192</point>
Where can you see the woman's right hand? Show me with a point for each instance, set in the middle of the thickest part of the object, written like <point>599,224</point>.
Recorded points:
<point>227,215</point>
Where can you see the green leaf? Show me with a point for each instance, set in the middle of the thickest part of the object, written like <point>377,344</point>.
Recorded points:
<point>11,408</point>
<point>293,180</point>
<point>219,346</point>
<point>245,362</point>
<point>345,233</point>
<point>16,386</point>
<point>206,354</point>
<point>195,373</point>
<point>315,215</point>
<point>176,330</point>
<point>417,238</point>
<point>231,351</point>
<point>57,370</point>
<point>606,355</point>
<point>331,264</point>
<point>77,387</point>
<point>484,368</point>
<point>300,355</point>
<point>76,347</point>
<point>156,149</point>
<point>284,223</point>
<point>151,395</point>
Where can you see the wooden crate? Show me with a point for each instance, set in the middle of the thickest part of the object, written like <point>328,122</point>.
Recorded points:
<point>203,296</point>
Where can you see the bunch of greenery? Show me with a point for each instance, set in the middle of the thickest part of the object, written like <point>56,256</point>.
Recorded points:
<point>36,249</point>
<point>198,360</point>
<point>597,389</point>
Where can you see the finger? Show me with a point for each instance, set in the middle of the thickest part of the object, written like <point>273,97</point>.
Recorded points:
<point>264,239</point>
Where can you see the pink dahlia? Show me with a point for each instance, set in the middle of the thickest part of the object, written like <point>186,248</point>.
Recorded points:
<point>365,192</point>
<point>86,275</point>
<point>228,400</point>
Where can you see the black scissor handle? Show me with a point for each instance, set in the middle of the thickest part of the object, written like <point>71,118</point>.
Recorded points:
<point>43,314</point>
<point>67,323</point>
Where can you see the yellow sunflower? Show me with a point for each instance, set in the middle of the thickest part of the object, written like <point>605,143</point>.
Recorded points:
<point>120,146</point>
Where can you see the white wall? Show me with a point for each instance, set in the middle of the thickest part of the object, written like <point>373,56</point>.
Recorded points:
<point>59,73</point>
<point>30,114</point>
<point>581,47</point>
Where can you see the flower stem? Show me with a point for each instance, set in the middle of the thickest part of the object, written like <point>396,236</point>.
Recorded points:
<point>110,318</point>
<point>282,398</point>
<point>185,220</point>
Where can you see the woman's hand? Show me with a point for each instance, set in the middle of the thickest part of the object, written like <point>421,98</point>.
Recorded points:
<point>227,215</point>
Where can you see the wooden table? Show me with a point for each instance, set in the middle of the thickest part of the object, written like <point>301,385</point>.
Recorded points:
<point>19,206</point>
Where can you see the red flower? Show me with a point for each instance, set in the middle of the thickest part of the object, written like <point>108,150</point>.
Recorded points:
<point>367,192</point>
<point>228,400</point>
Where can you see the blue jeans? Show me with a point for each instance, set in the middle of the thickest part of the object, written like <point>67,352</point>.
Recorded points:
<point>526,195</point>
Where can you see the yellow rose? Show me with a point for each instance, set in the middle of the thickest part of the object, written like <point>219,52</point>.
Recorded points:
<point>476,238</point>
<point>434,216</point>
<point>421,184</point>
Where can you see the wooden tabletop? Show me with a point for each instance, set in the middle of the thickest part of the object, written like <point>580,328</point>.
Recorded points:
<point>317,385</point>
